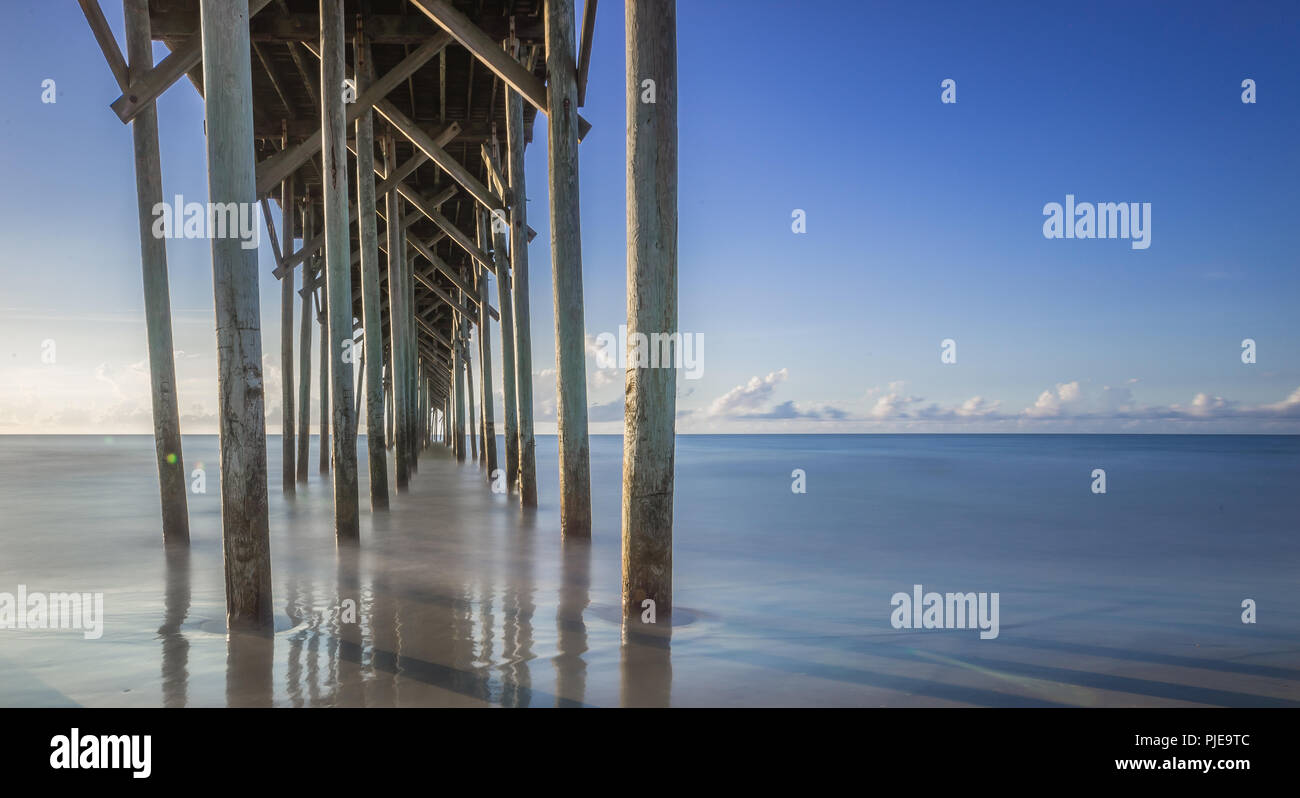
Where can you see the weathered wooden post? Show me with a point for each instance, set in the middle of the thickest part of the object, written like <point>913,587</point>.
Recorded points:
<point>566,268</point>
<point>371,301</point>
<point>412,400</point>
<point>419,393</point>
<point>361,389</point>
<point>507,352</point>
<point>425,409</point>
<point>338,267</point>
<point>322,320</point>
<point>458,379</point>
<point>519,290</point>
<point>485,353</point>
<point>304,345</point>
<point>475,433</point>
<point>157,294</point>
<point>287,215</point>
<point>399,315</point>
<point>649,434</point>
<point>388,398</point>
<point>228,109</point>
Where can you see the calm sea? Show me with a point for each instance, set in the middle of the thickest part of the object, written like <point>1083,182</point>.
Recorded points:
<point>457,597</point>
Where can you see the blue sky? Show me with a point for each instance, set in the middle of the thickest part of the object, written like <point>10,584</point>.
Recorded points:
<point>924,222</point>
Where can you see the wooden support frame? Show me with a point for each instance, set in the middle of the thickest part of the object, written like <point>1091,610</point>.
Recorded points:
<point>148,86</point>
<point>489,52</point>
<point>425,143</point>
<point>274,169</point>
<point>391,183</point>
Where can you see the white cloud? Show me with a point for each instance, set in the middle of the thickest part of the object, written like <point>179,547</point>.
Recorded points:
<point>1056,402</point>
<point>748,397</point>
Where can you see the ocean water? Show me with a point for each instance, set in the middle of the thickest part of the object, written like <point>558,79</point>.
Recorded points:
<point>456,597</point>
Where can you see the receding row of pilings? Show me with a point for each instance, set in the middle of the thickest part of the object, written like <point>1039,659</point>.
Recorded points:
<point>426,391</point>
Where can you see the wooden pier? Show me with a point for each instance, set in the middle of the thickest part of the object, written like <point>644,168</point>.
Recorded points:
<point>411,117</point>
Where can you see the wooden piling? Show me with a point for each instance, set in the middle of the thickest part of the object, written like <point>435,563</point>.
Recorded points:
<point>527,446</point>
<point>338,268</point>
<point>507,354</point>
<point>651,389</point>
<point>371,301</point>
<point>399,316</point>
<point>409,374</point>
<point>487,399</point>
<point>361,389</point>
<point>322,321</point>
<point>288,450</point>
<point>304,347</point>
<point>157,294</point>
<point>475,433</point>
<point>228,109</point>
<point>388,400</point>
<point>458,379</point>
<point>566,269</point>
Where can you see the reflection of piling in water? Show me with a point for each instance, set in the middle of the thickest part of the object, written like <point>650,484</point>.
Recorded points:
<point>575,595</point>
<point>345,639</point>
<point>175,648</point>
<point>249,669</point>
<point>517,647</point>
<point>646,664</point>
<point>296,611</point>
